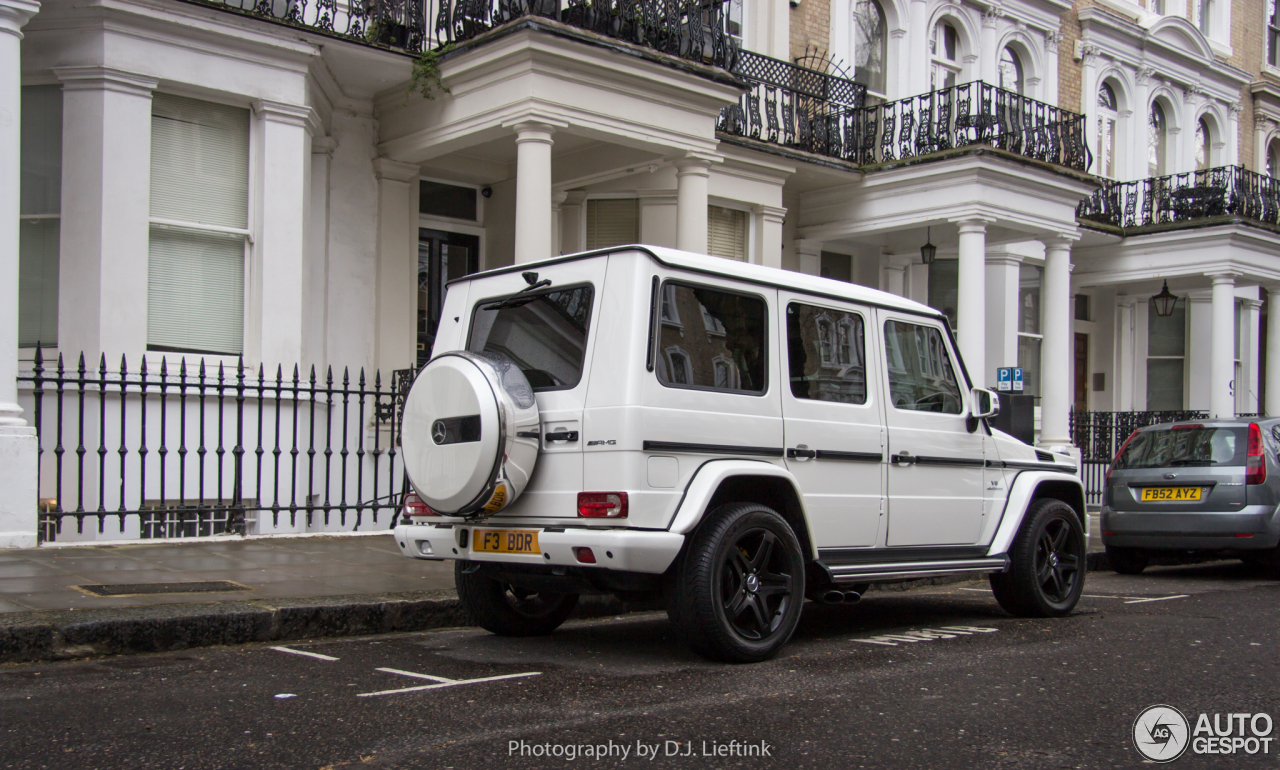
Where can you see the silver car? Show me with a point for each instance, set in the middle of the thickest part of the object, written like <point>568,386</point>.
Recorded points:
<point>1206,486</point>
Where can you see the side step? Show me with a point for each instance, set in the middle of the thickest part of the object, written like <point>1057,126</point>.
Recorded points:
<point>864,573</point>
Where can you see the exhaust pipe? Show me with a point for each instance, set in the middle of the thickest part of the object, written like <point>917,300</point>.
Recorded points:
<point>852,597</point>
<point>832,597</point>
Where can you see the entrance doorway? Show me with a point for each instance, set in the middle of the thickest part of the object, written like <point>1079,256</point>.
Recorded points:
<point>1082,373</point>
<point>442,257</point>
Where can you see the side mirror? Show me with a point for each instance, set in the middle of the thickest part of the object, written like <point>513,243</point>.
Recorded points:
<point>986,404</point>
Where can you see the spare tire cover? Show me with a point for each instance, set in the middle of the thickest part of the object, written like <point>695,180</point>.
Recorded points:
<point>470,433</point>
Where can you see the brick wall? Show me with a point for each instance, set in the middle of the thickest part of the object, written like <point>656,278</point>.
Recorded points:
<point>1248,48</point>
<point>810,27</point>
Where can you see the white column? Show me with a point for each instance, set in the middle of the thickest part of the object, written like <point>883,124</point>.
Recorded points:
<point>1231,137</point>
<point>18,482</point>
<point>918,42</point>
<point>1271,405</point>
<point>989,55</point>
<point>693,176</point>
<point>971,303</point>
<point>557,211</point>
<point>895,273</point>
<point>397,282</point>
<point>571,213</point>
<point>285,158</point>
<point>1002,309</point>
<point>1089,100</point>
<point>1199,349</point>
<point>106,205</point>
<point>810,253</point>
<point>1122,398</point>
<point>1055,352</point>
<point>533,191</point>
<point>1222,346</point>
<point>1247,391</point>
<point>768,245</point>
<point>316,328</point>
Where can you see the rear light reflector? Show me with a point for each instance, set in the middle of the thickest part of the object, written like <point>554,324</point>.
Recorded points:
<point>413,506</point>
<point>584,555</point>
<point>1244,534</point>
<point>1256,461</point>
<point>602,505</point>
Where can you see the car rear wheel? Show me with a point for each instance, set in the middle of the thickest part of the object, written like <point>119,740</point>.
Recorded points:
<point>506,610</point>
<point>1047,563</point>
<point>736,592</point>
<point>1127,561</point>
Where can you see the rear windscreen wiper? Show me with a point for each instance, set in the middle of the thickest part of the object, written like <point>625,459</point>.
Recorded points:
<point>517,300</point>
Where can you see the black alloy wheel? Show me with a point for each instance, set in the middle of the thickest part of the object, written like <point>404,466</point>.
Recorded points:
<point>507,610</point>
<point>1047,563</point>
<point>736,591</point>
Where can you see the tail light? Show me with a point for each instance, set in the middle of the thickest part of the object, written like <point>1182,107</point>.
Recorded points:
<point>413,506</point>
<point>1116,459</point>
<point>602,505</point>
<point>1256,460</point>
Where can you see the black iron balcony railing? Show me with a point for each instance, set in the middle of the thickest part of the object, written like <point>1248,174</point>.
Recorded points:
<point>1185,198</point>
<point>836,124</point>
<point>395,23</point>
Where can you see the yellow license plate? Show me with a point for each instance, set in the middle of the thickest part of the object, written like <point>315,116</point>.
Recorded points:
<point>505,541</point>
<point>1163,494</point>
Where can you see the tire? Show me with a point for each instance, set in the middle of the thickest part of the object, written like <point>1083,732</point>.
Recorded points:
<point>1047,563</point>
<point>505,610</point>
<point>737,589</point>
<point>1127,561</point>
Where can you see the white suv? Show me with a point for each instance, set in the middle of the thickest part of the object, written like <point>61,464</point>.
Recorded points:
<point>642,421</point>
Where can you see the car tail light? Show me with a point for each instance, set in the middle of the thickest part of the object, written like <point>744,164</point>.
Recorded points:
<point>413,506</point>
<point>602,505</point>
<point>1256,460</point>
<point>1116,459</point>
<point>584,555</point>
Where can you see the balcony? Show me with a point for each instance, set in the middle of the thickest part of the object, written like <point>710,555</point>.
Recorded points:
<point>1191,199</point>
<point>830,119</point>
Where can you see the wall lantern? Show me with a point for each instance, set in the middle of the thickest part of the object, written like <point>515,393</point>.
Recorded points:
<point>928,251</point>
<point>1164,301</point>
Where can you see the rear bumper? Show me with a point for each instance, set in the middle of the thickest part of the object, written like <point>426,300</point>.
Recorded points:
<point>1208,531</point>
<point>629,550</point>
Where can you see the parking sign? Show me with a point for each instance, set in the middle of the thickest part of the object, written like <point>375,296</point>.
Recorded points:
<point>1004,378</point>
<point>1017,379</point>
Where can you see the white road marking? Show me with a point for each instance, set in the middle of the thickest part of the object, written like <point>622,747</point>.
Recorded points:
<point>1157,599</point>
<point>453,683</point>
<point>925,635</point>
<point>315,655</point>
<point>416,676</point>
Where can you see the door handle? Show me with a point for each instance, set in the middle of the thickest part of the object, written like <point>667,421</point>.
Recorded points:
<point>902,458</point>
<point>802,454</point>
<point>564,435</point>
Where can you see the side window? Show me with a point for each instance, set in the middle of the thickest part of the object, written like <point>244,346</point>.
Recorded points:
<point>726,352</point>
<point>920,375</point>
<point>826,354</point>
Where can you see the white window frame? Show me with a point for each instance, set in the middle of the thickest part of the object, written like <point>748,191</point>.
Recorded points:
<point>751,223</point>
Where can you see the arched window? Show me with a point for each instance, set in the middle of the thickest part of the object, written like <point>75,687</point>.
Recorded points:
<point>1010,71</point>
<point>1273,159</point>
<point>1108,119</point>
<point>1203,152</point>
<point>1157,139</point>
<point>945,48</point>
<point>870,41</point>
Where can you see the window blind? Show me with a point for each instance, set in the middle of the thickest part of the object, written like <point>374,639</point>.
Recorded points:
<point>40,193</point>
<point>199,177</point>
<point>199,161</point>
<point>612,222</point>
<point>195,292</point>
<point>727,233</point>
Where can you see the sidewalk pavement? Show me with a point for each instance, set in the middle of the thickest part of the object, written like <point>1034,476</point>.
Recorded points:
<point>281,588</point>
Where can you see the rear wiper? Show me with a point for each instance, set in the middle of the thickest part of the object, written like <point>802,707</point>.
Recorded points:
<point>516,300</point>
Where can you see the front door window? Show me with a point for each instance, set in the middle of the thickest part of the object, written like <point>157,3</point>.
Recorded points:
<point>442,257</point>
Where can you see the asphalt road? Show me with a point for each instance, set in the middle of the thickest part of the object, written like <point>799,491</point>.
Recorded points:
<point>990,692</point>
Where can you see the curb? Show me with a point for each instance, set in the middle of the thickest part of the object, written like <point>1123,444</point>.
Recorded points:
<point>52,635</point>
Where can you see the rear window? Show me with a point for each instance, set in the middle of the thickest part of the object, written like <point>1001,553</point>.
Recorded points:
<point>1185,447</point>
<point>545,334</point>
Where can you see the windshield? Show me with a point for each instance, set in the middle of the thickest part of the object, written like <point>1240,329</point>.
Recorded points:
<point>1193,445</point>
<point>544,334</point>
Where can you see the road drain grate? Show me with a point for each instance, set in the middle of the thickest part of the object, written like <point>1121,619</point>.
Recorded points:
<point>192,587</point>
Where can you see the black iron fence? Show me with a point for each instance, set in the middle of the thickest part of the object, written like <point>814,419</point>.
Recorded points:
<point>201,449</point>
<point>1100,434</point>
<point>1188,197</point>
<point>396,23</point>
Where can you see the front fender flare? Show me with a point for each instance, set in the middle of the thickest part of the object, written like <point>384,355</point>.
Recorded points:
<point>708,478</point>
<point>1021,493</point>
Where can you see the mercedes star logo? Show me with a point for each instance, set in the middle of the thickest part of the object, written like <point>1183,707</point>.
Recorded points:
<point>438,432</point>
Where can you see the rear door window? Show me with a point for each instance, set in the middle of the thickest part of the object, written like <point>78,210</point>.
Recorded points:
<point>711,340</point>
<point>826,354</point>
<point>1190,446</point>
<point>545,334</point>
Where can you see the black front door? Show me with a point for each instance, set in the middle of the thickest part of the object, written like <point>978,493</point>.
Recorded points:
<point>442,257</point>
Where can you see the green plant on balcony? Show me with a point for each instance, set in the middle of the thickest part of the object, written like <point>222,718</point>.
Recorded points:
<point>425,78</point>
